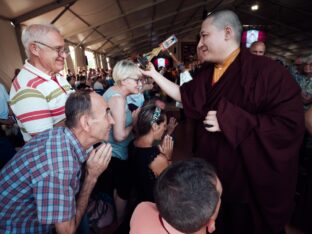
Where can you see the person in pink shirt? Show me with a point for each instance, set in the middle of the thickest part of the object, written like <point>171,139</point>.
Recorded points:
<point>187,196</point>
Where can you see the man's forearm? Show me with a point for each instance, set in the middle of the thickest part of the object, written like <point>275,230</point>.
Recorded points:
<point>82,203</point>
<point>84,195</point>
<point>170,88</point>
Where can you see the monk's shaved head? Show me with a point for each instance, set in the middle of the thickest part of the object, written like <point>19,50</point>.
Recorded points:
<point>224,18</point>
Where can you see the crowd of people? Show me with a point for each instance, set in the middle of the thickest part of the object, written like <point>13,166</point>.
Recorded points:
<point>99,144</point>
<point>97,79</point>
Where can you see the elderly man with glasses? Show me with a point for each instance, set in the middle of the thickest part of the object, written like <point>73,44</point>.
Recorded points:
<point>39,92</point>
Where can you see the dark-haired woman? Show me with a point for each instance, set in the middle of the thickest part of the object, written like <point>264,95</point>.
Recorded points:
<point>147,160</point>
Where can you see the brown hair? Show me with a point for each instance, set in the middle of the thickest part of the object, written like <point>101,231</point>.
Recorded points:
<point>77,104</point>
<point>147,117</point>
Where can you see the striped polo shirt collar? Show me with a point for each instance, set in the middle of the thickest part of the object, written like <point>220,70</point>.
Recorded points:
<point>29,67</point>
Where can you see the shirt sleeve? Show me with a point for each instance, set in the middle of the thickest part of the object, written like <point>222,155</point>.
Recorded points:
<point>145,219</point>
<point>185,77</point>
<point>32,110</point>
<point>5,93</point>
<point>3,107</point>
<point>55,199</point>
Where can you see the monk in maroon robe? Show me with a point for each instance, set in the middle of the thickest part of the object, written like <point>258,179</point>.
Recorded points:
<point>250,126</point>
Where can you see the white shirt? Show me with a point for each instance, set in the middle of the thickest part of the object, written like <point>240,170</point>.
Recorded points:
<point>184,78</point>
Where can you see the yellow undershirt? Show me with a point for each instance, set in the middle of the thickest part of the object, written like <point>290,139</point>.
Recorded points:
<point>220,69</point>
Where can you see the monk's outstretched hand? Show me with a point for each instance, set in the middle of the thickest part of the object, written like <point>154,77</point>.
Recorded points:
<point>150,70</point>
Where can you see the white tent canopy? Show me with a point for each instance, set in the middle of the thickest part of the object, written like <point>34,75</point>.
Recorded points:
<point>121,28</point>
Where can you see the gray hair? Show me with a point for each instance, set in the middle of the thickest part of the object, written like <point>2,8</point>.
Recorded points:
<point>77,104</point>
<point>224,18</point>
<point>36,32</point>
<point>125,68</point>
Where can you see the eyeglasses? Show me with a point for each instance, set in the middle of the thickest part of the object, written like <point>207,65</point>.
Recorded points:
<point>60,50</point>
<point>142,81</point>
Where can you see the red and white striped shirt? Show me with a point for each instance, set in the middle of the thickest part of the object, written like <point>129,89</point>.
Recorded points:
<point>38,100</point>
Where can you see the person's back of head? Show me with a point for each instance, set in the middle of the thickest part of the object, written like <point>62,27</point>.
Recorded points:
<point>186,195</point>
<point>181,67</point>
<point>82,79</point>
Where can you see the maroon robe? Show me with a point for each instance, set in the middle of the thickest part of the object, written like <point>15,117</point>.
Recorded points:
<point>259,110</point>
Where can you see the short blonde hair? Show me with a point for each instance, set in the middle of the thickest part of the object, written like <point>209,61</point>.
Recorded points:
<point>124,69</point>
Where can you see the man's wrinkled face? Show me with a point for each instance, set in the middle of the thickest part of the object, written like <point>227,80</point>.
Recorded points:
<point>100,119</point>
<point>50,59</point>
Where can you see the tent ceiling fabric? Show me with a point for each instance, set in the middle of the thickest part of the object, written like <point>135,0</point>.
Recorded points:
<point>118,28</point>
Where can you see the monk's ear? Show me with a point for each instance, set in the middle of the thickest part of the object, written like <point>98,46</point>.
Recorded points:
<point>228,33</point>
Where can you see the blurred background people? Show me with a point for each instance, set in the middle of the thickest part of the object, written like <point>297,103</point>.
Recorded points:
<point>257,48</point>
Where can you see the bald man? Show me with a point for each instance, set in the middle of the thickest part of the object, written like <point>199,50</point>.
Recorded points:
<point>257,48</point>
<point>40,187</point>
<point>246,127</point>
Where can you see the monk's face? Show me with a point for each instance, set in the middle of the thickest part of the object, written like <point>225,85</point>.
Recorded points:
<point>258,49</point>
<point>212,44</point>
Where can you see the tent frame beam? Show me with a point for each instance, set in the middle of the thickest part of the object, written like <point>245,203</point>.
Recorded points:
<point>41,10</point>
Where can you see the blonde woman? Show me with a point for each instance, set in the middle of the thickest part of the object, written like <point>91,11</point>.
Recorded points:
<point>127,77</point>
